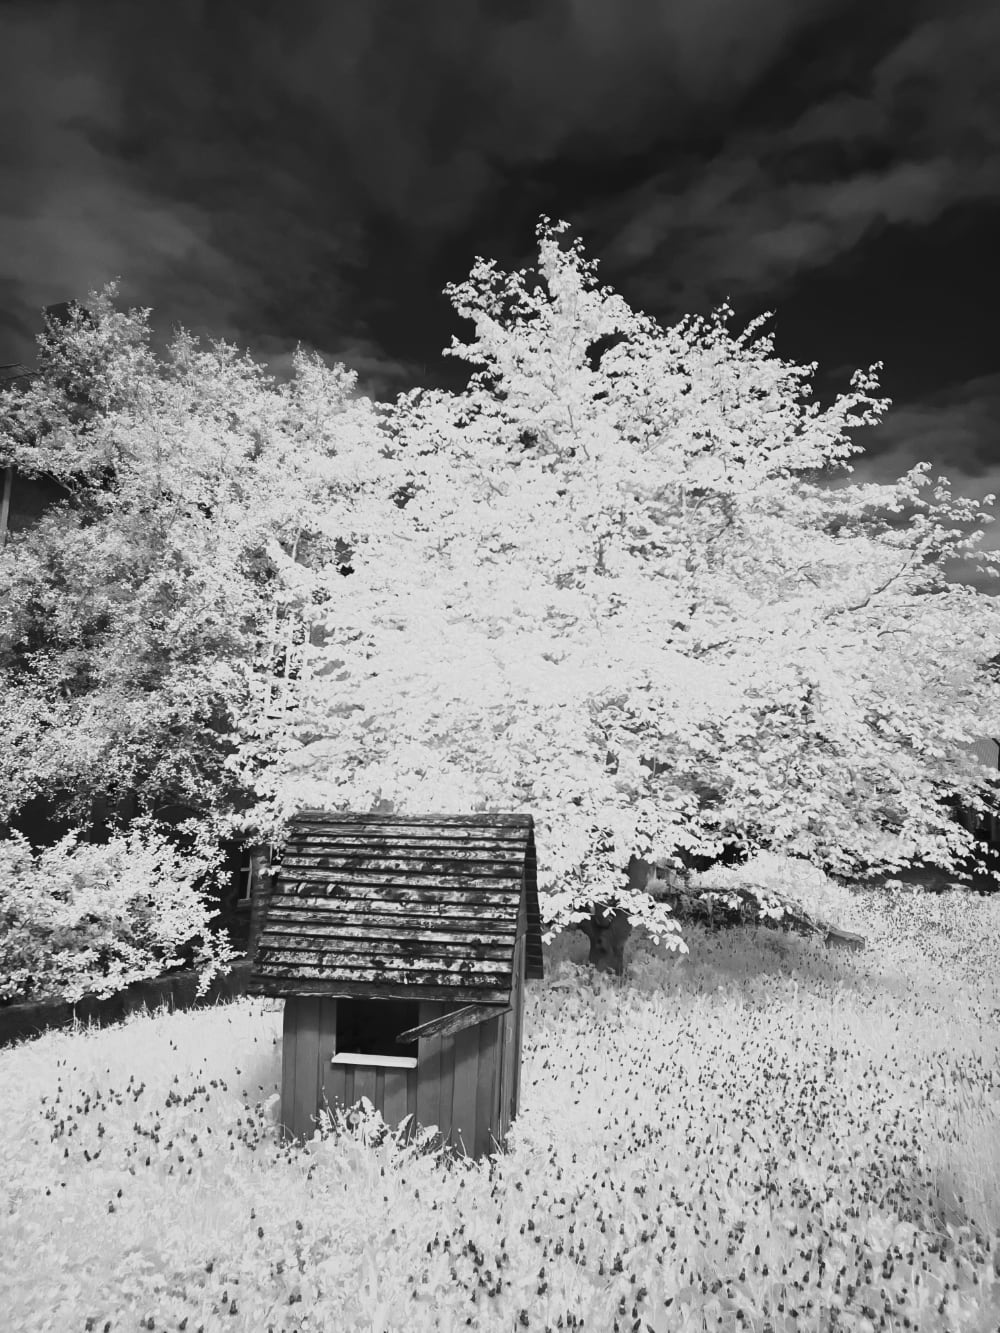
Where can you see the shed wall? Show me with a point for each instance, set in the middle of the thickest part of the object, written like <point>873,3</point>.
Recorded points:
<point>455,1085</point>
<point>510,1061</point>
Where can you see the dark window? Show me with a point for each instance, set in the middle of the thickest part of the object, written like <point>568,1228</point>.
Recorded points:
<point>244,877</point>
<point>370,1027</point>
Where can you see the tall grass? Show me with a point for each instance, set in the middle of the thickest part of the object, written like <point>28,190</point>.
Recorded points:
<point>762,1134</point>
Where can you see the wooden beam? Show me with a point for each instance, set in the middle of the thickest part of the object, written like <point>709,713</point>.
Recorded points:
<point>448,1024</point>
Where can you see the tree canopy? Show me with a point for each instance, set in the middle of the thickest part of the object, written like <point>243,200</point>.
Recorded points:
<point>601,584</point>
<point>617,597</point>
<point>146,609</point>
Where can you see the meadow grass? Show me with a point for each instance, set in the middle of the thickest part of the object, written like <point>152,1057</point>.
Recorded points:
<point>763,1134</point>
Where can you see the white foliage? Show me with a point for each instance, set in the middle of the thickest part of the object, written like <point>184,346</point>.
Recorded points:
<point>793,877</point>
<point>609,593</point>
<point>129,903</point>
<point>611,588</point>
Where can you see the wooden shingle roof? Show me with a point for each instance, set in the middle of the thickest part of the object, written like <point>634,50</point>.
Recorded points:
<point>391,906</point>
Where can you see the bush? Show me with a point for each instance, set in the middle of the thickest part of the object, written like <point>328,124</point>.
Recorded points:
<point>805,884</point>
<point>81,918</point>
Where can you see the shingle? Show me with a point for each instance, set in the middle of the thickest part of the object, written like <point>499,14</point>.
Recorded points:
<point>384,905</point>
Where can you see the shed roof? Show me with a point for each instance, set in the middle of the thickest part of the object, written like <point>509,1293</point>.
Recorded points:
<point>387,905</point>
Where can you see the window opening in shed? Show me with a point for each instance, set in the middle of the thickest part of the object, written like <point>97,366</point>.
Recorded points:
<point>370,1027</point>
<point>244,874</point>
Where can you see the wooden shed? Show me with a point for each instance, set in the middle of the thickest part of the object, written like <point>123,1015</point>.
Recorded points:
<point>400,945</point>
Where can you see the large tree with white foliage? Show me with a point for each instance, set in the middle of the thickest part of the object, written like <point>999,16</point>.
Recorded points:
<point>616,597</point>
<point>144,613</point>
<point>147,609</point>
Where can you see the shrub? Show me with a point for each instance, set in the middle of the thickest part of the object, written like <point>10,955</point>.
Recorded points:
<point>79,918</point>
<point>792,877</point>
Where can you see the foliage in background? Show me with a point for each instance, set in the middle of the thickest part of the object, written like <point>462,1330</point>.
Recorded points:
<point>614,597</point>
<point>600,585</point>
<point>149,607</point>
<point>81,918</point>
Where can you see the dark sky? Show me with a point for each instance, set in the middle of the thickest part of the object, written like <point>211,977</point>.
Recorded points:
<point>316,171</point>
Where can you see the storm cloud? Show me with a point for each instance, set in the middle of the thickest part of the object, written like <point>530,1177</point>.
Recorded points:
<point>317,171</point>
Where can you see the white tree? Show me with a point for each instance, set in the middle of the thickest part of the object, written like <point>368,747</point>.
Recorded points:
<point>616,598</point>
<point>158,601</point>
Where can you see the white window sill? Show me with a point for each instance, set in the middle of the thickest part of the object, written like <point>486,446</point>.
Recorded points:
<point>377,1061</point>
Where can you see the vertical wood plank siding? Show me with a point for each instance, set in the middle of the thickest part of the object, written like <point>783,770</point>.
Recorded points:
<point>394,1097</point>
<point>487,1087</point>
<point>333,1084</point>
<point>302,1073</point>
<point>364,1084</point>
<point>507,1027</point>
<point>520,961</point>
<point>429,1068</point>
<point>446,1091</point>
<point>466,1084</point>
<point>440,909</point>
<point>288,1030</point>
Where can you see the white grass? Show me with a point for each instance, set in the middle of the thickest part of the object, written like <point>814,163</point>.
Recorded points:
<point>764,1133</point>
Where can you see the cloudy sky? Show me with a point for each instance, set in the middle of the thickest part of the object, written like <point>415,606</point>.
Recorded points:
<point>316,171</point>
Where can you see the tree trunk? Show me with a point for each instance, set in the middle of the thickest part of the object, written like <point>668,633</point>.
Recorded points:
<point>607,936</point>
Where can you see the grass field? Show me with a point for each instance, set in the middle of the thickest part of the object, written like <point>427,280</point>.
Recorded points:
<point>762,1134</point>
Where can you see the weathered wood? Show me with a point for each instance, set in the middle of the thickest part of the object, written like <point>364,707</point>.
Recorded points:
<point>384,951</point>
<point>306,1073</point>
<point>466,1086</point>
<point>313,852</point>
<point>457,875</point>
<point>335,896</point>
<point>533,961</point>
<point>517,995</point>
<point>343,843</point>
<point>261,889</point>
<point>429,1071</point>
<point>335,1079</point>
<point>481,990</point>
<point>508,1028</point>
<point>388,938</point>
<point>396,888</point>
<point>448,1024</point>
<point>402,919</point>
<point>510,847</point>
<point>288,1049</point>
<point>444,910</point>
<point>322,961</point>
<point>364,1083</point>
<point>385,821</point>
<point>484,906</point>
<point>487,1086</point>
<point>446,1088</point>
<point>394,1097</point>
